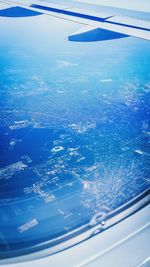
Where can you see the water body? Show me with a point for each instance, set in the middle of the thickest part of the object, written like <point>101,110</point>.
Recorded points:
<point>74,128</point>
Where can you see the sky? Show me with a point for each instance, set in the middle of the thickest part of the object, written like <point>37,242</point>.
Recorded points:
<point>139,5</point>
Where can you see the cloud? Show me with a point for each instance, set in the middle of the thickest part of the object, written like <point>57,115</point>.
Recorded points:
<point>64,64</point>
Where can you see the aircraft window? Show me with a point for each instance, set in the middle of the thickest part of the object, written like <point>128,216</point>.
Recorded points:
<point>74,131</point>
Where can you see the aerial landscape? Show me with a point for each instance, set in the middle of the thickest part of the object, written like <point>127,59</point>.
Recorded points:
<point>74,129</point>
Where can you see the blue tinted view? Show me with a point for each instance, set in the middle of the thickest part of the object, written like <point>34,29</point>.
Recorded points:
<point>74,128</point>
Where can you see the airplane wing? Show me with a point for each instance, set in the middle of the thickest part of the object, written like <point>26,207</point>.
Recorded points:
<point>95,22</point>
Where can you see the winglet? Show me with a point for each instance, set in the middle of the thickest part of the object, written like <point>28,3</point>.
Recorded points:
<point>91,34</point>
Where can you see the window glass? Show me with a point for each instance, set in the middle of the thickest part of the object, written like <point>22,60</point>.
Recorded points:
<point>74,128</point>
